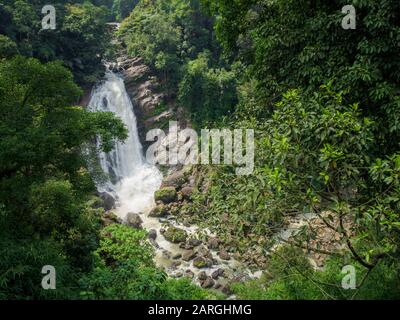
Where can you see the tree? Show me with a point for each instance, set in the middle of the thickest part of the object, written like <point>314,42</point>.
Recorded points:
<point>44,182</point>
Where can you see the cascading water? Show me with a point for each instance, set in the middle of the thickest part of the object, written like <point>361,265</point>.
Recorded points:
<point>133,182</point>
<point>131,179</point>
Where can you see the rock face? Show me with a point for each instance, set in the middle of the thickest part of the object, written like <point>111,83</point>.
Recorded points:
<point>144,89</point>
<point>175,235</point>
<point>134,220</point>
<point>166,195</point>
<point>108,201</point>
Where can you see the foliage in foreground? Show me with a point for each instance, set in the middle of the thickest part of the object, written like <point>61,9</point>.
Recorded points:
<point>125,270</point>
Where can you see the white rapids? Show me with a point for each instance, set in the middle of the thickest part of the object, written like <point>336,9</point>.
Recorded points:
<point>132,179</point>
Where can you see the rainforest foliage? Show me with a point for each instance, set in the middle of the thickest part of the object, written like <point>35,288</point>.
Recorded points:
<point>49,213</point>
<point>324,103</point>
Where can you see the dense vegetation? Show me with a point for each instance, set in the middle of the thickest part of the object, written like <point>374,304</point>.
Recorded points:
<point>48,209</point>
<point>324,102</point>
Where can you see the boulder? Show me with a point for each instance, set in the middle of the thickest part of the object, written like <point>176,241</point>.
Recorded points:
<point>194,242</point>
<point>200,263</point>
<point>175,235</point>
<point>218,273</point>
<point>188,255</point>
<point>202,276</point>
<point>176,256</point>
<point>213,243</point>
<point>134,220</point>
<point>166,195</point>
<point>153,234</point>
<point>187,192</point>
<point>189,274</point>
<point>226,289</point>
<point>224,255</point>
<point>108,201</point>
<point>204,252</point>
<point>208,283</point>
<point>175,265</point>
<point>110,218</point>
<point>159,211</point>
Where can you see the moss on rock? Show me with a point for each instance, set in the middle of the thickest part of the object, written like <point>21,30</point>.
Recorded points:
<point>175,235</point>
<point>166,195</point>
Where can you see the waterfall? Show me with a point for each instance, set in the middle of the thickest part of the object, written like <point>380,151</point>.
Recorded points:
<point>131,179</point>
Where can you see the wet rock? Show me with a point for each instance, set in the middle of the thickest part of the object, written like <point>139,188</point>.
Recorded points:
<point>175,265</point>
<point>204,252</point>
<point>200,263</point>
<point>176,256</point>
<point>166,195</point>
<point>213,243</point>
<point>153,234</point>
<point>178,275</point>
<point>208,283</point>
<point>108,201</point>
<point>159,211</point>
<point>162,230</point>
<point>175,235</point>
<point>134,220</point>
<point>224,255</point>
<point>194,242</point>
<point>218,273</point>
<point>189,274</point>
<point>202,276</point>
<point>187,192</point>
<point>189,255</point>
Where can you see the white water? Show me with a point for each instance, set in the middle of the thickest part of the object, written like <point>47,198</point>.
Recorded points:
<point>132,179</point>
